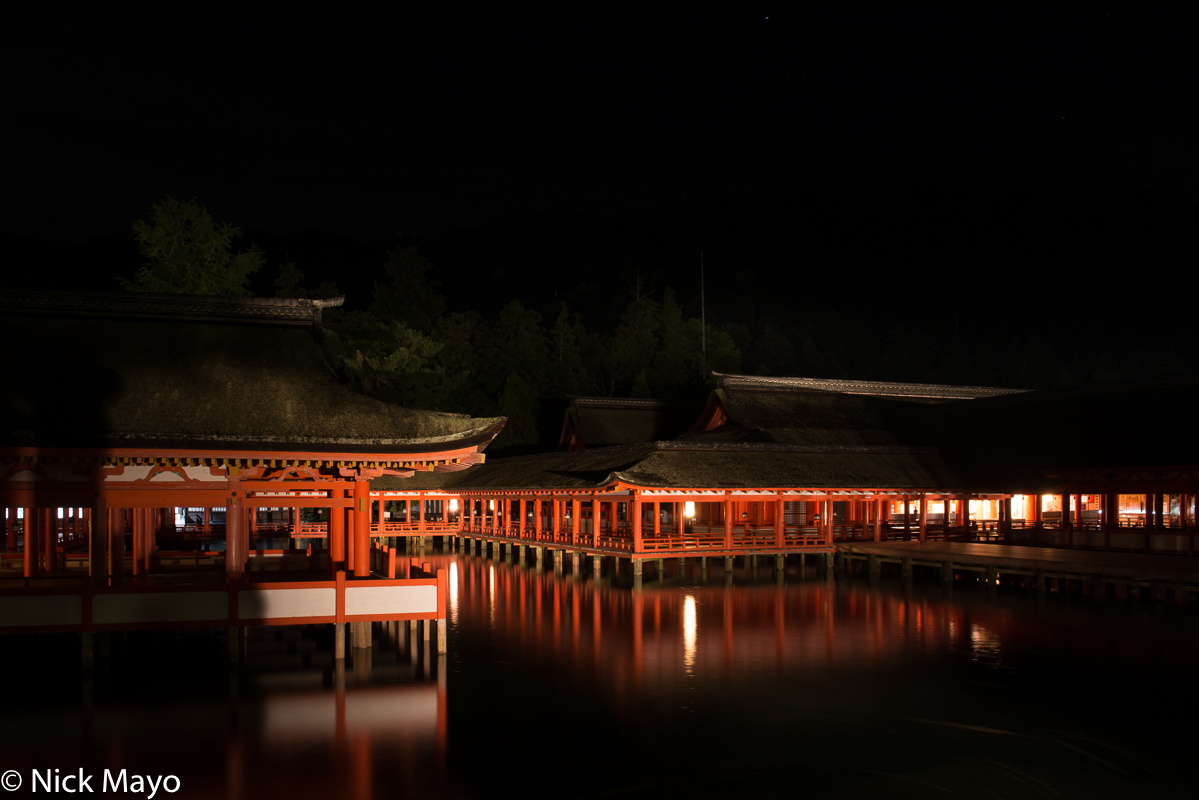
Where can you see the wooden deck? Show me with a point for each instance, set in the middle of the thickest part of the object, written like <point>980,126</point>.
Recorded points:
<point>1159,571</point>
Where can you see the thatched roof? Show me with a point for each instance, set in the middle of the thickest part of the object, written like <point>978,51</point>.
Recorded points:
<point>607,421</point>
<point>681,465</point>
<point>819,418</point>
<point>134,379</point>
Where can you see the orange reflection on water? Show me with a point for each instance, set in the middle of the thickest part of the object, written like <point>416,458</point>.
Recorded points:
<point>642,640</point>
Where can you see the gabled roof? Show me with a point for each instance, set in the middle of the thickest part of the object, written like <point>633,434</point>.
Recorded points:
<point>133,375</point>
<point>606,421</point>
<point>687,465</point>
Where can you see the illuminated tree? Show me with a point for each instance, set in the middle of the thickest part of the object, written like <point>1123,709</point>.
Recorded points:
<point>188,253</point>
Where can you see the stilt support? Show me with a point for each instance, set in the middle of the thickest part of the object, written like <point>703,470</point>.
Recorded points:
<point>87,646</point>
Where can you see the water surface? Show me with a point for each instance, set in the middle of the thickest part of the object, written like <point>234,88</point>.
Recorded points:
<point>557,686</point>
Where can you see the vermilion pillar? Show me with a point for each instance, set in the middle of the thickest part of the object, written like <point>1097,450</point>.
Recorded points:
<point>29,537</point>
<point>576,509</point>
<point>337,533</point>
<point>97,539</point>
<point>728,523</point>
<point>637,521</point>
<point>362,529</point>
<point>139,539</point>
<point>235,554</point>
<point>595,519</point>
<point>49,528</point>
<point>780,523</point>
<point>923,517</point>
<point>116,543</point>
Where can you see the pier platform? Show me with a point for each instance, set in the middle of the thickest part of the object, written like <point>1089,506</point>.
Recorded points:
<point>1179,573</point>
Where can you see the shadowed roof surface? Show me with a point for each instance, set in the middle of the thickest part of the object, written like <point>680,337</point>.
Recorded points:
<point>685,465</point>
<point>87,381</point>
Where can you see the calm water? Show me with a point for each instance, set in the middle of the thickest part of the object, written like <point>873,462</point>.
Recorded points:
<point>563,687</point>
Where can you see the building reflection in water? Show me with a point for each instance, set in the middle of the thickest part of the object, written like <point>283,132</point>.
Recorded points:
<point>290,722</point>
<point>645,640</point>
<point>846,665</point>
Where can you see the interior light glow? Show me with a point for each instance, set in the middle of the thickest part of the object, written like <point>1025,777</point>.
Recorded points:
<point>689,509</point>
<point>453,505</point>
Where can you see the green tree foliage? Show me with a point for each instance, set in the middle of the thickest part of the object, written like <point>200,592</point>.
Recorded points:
<point>383,354</point>
<point>518,402</point>
<point>290,283</point>
<point>188,253</point>
<point>408,292</point>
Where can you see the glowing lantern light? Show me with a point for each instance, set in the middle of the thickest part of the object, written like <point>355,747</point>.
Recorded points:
<point>453,505</point>
<point>689,509</point>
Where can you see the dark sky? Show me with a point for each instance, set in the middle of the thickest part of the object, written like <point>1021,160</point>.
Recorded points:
<point>368,125</point>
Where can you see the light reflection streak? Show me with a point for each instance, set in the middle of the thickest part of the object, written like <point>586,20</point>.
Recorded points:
<point>491,595</point>
<point>689,633</point>
<point>453,592</point>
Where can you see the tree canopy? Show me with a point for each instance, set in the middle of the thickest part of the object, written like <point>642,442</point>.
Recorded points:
<point>188,253</point>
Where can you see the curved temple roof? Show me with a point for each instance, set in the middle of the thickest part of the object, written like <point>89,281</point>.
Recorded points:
<point>254,377</point>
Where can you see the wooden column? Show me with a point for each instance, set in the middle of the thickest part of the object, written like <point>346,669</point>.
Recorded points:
<point>780,523</point>
<point>1067,524</point>
<point>151,530</point>
<point>49,529</point>
<point>1159,517</point>
<point>923,517</point>
<point>116,543</point>
<point>337,533</point>
<point>97,539</point>
<point>139,539</point>
<point>351,527</point>
<point>728,523</point>
<point>29,534</point>
<point>636,508</point>
<point>520,517</point>
<point>907,517</point>
<point>576,509</point>
<point>878,519</point>
<point>556,510</point>
<point>827,515</point>
<point>595,519</point>
<point>680,522</point>
<point>656,510</point>
<point>362,529</point>
<point>235,555</point>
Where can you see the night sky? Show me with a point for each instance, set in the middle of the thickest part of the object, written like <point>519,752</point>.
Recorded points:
<point>970,148</point>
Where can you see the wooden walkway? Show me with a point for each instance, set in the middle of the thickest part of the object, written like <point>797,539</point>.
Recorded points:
<point>1155,571</point>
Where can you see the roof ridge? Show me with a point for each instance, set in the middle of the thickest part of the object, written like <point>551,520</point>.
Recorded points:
<point>298,311</point>
<point>584,401</point>
<point>847,386</point>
